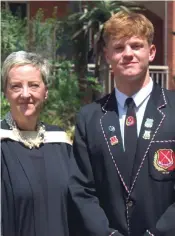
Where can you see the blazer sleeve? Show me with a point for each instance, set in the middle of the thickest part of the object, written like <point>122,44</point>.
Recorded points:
<point>82,189</point>
<point>165,225</point>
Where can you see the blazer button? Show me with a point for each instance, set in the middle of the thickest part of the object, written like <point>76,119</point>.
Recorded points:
<point>130,203</point>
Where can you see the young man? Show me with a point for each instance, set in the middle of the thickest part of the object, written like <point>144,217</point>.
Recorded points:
<point>123,174</point>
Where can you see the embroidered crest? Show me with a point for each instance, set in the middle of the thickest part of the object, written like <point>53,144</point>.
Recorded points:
<point>147,134</point>
<point>130,121</point>
<point>149,123</point>
<point>164,160</point>
<point>113,140</point>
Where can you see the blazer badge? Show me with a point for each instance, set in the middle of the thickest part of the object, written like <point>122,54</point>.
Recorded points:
<point>164,160</point>
<point>149,123</point>
<point>130,121</point>
<point>111,128</point>
<point>147,134</point>
<point>113,140</point>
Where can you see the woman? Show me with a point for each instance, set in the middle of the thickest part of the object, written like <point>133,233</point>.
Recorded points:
<point>35,156</point>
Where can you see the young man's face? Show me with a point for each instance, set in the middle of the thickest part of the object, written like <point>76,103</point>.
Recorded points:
<point>129,58</point>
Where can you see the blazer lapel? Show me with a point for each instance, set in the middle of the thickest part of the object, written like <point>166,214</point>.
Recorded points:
<point>112,135</point>
<point>151,123</point>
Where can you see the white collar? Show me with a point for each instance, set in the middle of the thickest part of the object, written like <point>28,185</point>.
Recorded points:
<point>49,136</point>
<point>138,97</point>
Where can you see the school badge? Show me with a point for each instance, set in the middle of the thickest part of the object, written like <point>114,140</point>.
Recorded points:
<point>147,134</point>
<point>113,140</point>
<point>111,128</point>
<point>149,123</point>
<point>130,121</point>
<point>164,160</point>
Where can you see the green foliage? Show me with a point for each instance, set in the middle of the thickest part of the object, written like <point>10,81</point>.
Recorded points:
<point>43,34</point>
<point>94,84</point>
<point>64,97</point>
<point>38,35</point>
<point>4,106</point>
<point>13,33</point>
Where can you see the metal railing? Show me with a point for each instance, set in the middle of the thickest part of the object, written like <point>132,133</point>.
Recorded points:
<point>157,73</point>
<point>160,75</point>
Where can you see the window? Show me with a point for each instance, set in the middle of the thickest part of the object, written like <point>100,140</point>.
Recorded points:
<point>74,6</point>
<point>16,8</point>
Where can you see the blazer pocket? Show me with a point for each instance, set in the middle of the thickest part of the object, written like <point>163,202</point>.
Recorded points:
<point>162,161</point>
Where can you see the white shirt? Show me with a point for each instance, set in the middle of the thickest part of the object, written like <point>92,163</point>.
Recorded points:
<point>140,98</point>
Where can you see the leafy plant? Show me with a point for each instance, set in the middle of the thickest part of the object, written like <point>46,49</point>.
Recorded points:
<point>42,34</point>
<point>38,35</point>
<point>64,97</point>
<point>4,106</point>
<point>13,33</point>
<point>94,84</point>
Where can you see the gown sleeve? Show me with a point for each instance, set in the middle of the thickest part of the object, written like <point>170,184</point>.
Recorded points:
<point>7,203</point>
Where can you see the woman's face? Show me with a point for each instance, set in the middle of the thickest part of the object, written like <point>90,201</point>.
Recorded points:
<point>25,91</point>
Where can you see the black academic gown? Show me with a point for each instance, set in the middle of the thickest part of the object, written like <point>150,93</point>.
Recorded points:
<point>108,201</point>
<point>34,188</point>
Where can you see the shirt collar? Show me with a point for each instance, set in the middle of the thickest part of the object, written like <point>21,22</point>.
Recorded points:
<point>138,97</point>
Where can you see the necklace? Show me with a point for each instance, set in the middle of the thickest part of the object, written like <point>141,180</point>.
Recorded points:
<point>30,139</point>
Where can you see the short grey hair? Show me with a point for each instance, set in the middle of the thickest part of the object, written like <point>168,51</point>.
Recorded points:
<point>21,58</point>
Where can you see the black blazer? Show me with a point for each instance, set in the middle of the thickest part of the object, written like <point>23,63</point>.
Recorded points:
<point>106,202</point>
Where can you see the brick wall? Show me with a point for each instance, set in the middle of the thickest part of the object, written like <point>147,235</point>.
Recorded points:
<point>158,37</point>
<point>171,43</point>
<point>48,7</point>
